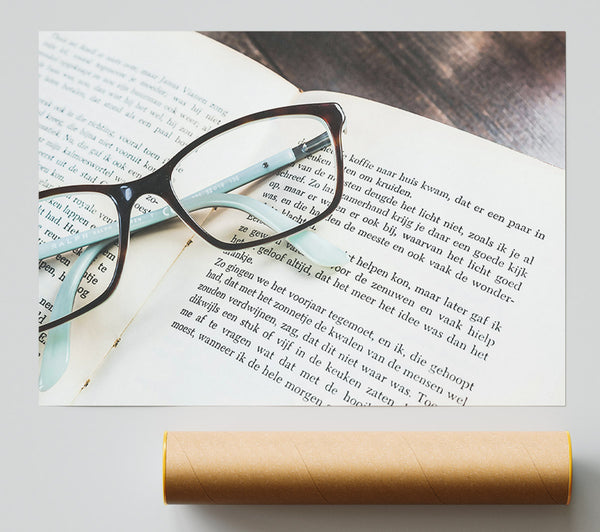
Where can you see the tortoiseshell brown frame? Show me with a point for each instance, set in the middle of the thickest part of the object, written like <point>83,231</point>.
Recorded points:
<point>158,183</point>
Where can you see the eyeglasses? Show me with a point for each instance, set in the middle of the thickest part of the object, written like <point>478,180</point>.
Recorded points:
<point>285,166</point>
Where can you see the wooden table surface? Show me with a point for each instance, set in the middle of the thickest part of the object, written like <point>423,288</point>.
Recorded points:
<point>508,87</point>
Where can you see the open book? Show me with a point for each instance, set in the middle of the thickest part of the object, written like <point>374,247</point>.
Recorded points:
<point>454,289</point>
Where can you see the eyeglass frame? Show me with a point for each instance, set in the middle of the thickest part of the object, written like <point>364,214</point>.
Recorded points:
<point>158,183</point>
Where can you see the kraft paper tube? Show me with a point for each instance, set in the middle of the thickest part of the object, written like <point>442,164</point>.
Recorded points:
<point>367,467</point>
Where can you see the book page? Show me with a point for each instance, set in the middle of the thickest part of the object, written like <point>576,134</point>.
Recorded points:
<point>113,107</point>
<point>453,295</point>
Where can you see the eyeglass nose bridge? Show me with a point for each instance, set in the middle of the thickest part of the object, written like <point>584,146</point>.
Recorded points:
<point>155,184</point>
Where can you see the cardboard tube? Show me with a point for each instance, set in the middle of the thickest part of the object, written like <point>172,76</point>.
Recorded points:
<point>367,467</point>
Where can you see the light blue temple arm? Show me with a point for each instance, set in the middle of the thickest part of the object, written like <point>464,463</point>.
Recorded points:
<point>314,247</point>
<point>320,254</point>
<point>311,245</point>
<point>57,349</point>
<point>190,203</point>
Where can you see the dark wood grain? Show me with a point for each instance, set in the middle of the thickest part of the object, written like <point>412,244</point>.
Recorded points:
<point>508,87</point>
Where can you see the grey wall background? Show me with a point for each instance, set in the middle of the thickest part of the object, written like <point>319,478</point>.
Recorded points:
<point>100,468</point>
